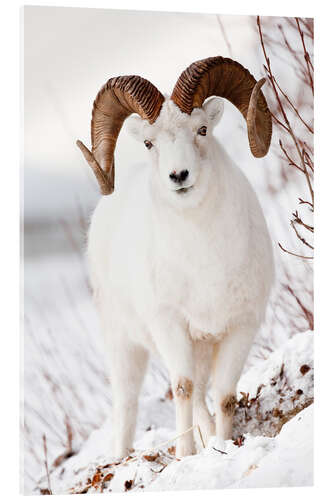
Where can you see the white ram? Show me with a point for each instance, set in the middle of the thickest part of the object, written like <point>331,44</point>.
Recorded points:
<point>180,258</point>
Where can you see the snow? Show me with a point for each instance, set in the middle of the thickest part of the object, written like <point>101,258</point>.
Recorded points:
<point>282,386</point>
<point>260,461</point>
<point>294,446</point>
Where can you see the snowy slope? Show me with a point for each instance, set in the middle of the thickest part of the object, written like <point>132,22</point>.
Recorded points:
<point>261,462</point>
<point>250,461</point>
<point>274,390</point>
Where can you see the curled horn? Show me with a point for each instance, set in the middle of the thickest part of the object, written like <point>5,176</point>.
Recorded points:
<point>117,99</point>
<point>218,76</point>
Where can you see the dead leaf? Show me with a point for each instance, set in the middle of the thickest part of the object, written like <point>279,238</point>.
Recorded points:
<point>151,458</point>
<point>304,369</point>
<point>128,484</point>
<point>45,491</point>
<point>169,394</point>
<point>244,401</point>
<point>81,492</point>
<point>250,469</point>
<point>96,479</point>
<point>239,441</point>
<point>277,413</point>
<point>108,477</point>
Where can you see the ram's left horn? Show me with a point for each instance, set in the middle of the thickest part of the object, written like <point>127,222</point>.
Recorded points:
<point>223,77</point>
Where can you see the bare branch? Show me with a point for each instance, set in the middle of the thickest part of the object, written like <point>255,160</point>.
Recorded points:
<point>304,164</point>
<point>295,254</point>
<point>303,240</point>
<point>46,464</point>
<point>298,220</point>
<point>306,55</point>
<point>293,107</point>
<point>304,202</point>
<point>307,313</point>
<point>291,162</point>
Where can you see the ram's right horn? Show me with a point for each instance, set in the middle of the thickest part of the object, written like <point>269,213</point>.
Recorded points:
<point>117,99</point>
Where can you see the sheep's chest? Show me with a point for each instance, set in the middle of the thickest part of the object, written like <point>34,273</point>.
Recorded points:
<point>205,279</point>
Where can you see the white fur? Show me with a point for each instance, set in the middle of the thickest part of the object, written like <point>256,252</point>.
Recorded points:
<point>186,275</point>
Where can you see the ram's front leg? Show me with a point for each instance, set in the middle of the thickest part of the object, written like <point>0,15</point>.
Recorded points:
<point>175,346</point>
<point>229,358</point>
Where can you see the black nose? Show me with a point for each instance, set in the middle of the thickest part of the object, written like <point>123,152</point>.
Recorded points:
<point>178,178</point>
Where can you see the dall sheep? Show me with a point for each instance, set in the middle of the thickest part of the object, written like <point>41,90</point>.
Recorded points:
<point>180,258</point>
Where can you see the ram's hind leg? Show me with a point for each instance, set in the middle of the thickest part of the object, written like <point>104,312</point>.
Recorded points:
<point>203,355</point>
<point>127,367</point>
<point>229,358</point>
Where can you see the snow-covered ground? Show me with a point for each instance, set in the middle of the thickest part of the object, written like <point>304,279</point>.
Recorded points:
<point>272,446</point>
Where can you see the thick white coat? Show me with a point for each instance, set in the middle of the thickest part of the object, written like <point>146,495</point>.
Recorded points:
<point>184,273</point>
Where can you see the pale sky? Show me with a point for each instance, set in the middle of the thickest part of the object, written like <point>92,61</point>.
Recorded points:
<point>69,53</point>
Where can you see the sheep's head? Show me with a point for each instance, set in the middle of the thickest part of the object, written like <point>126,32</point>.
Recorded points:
<point>176,131</point>
<point>178,146</point>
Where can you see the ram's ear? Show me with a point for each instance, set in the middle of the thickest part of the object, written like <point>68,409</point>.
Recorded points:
<point>214,108</point>
<point>134,125</point>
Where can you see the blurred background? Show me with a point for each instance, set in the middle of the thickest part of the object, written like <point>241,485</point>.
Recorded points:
<point>69,53</point>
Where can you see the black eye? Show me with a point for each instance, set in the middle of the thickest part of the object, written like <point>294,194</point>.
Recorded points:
<point>148,144</point>
<point>202,130</point>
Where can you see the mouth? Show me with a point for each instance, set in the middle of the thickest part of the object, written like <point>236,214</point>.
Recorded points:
<point>184,190</point>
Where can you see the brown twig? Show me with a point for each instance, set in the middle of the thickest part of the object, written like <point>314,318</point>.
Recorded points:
<point>294,53</point>
<point>69,431</point>
<point>279,122</point>
<point>308,24</point>
<point>46,465</point>
<point>291,162</point>
<point>298,220</point>
<point>306,55</point>
<point>303,240</point>
<point>292,106</point>
<point>286,120</point>
<point>307,313</point>
<point>295,254</point>
<point>307,160</point>
<point>304,164</point>
<point>304,202</point>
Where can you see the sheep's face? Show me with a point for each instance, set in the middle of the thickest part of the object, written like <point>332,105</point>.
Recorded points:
<point>178,146</point>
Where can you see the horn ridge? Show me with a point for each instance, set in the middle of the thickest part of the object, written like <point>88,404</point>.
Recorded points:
<point>227,78</point>
<point>118,98</point>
